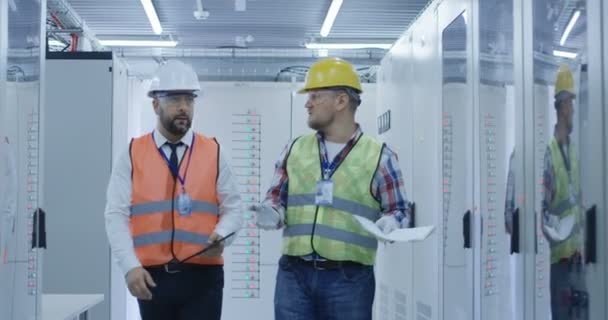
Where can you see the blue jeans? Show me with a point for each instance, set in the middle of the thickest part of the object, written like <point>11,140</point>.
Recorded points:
<point>306,293</point>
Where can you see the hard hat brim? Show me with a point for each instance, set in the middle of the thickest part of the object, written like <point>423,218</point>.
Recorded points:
<point>563,95</point>
<point>306,89</point>
<point>166,93</point>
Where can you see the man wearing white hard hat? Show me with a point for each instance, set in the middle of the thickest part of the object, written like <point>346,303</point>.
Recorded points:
<point>172,203</point>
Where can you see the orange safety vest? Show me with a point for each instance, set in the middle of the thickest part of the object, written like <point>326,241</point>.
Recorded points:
<point>153,225</point>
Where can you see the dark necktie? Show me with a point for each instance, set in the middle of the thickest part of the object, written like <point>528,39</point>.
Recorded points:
<point>173,157</point>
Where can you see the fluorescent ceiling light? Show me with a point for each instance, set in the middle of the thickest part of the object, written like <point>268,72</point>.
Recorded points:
<point>564,54</point>
<point>152,16</point>
<point>569,27</point>
<point>348,45</point>
<point>138,43</point>
<point>330,17</point>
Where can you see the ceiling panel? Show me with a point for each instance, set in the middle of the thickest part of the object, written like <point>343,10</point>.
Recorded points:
<point>271,23</point>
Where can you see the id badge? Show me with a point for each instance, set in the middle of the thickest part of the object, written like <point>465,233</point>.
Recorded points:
<point>325,193</point>
<point>184,204</point>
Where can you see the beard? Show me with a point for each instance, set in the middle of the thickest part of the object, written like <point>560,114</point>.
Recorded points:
<point>319,124</point>
<point>174,125</point>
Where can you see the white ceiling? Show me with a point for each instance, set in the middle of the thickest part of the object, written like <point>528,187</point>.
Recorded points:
<point>271,23</point>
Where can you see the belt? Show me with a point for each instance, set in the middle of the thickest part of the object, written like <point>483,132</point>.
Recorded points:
<point>324,264</point>
<point>176,267</point>
<point>575,258</point>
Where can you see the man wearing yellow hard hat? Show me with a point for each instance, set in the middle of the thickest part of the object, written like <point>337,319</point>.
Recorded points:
<point>322,180</point>
<point>562,222</point>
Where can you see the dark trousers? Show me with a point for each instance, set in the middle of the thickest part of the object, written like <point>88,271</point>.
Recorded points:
<point>569,299</point>
<point>191,294</point>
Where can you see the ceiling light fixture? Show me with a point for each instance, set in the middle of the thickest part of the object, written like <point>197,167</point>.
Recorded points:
<point>339,46</point>
<point>138,43</point>
<point>152,16</point>
<point>569,27</point>
<point>330,17</point>
<point>564,54</point>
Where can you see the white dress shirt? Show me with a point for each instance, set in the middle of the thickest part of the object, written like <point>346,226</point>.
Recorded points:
<point>117,213</point>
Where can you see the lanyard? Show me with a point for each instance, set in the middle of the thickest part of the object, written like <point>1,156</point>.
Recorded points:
<point>566,159</point>
<point>327,167</point>
<point>174,170</point>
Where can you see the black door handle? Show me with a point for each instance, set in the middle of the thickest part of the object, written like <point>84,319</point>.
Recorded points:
<point>412,222</point>
<point>515,232</point>
<point>39,229</point>
<point>466,229</point>
<point>590,235</point>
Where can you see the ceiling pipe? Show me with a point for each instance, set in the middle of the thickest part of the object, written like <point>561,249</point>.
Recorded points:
<point>237,53</point>
<point>71,20</point>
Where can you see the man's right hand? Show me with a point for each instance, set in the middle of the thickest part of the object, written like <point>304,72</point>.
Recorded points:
<point>138,280</point>
<point>267,218</point>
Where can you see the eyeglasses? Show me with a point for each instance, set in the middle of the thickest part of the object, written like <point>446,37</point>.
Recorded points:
<point>318,95</point>
<point>174,100</point>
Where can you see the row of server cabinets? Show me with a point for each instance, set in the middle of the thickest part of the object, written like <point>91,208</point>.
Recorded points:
<point>21,70</point>
<point>513,177</point>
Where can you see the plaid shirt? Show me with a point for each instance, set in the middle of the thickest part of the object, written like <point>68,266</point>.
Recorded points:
<point>388,184</point>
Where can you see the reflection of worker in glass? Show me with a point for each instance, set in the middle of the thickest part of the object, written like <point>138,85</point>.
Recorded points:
<point>562,213</point>
<point>510,197</point>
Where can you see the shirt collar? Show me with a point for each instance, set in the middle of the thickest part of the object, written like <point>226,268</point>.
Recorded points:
<point>355,135</point>
<point>160,140</point>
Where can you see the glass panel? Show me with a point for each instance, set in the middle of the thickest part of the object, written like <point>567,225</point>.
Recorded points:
<point>456,166</point>
<point>560,109</point>
<point>19,154</point>
<point>501,268</point>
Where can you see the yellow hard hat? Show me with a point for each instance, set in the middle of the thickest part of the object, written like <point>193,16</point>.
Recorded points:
<point>331,72</point>
<point>564,83</point>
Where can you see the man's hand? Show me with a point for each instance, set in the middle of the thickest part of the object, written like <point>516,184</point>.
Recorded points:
<point>387,223</point>
<point>266,217</point>
<point>138,280</point>
<point>217,249</point>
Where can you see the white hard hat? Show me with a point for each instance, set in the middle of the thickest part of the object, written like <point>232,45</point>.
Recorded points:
<point>174,76</point>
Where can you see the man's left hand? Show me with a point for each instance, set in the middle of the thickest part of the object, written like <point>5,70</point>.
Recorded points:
<point>387,223</point>
<point>217,249</point>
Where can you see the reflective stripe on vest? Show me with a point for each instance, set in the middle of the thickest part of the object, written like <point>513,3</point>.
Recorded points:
<point>165,205</point>
<point>165,237</point>
<point>561,205</point>
<point>337,235</point>
<point>338,203</point>
<point>153,225</point>
<point>330,233</point>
